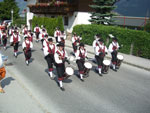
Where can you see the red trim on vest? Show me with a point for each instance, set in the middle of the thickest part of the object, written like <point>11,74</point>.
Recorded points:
<point>27,46</point>
<point>58,33</point>
<point>51,51</point>
<point>37,29</point>
<point>4,35</point>
<point>63,56</point>
<point>82,55</point>
<point>50,69</point>
<point>15,39</point>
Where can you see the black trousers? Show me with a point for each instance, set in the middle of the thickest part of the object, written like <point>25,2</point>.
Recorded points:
<point>42,40</point>
<point>27,54</point>
<point>50,61</point>
<point>60,71</point>
<point>74,47</point>
<point>16,45</point>
<point>56,38</point>
<point>99,60</point>
<point>4,41</point>
<point>37,35</point>
<point>114,57</point>
<point>81,67</point>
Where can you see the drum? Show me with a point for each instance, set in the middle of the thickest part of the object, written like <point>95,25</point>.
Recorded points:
<point>88,65</point>
<point>119,61</point>
<point>69,71</point>
<point>106,64</point>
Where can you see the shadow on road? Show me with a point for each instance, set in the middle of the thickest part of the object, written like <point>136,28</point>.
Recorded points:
<point>7,81</point>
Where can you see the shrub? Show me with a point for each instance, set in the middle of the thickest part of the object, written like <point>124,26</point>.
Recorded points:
<point>140,39</point>
<point>49,23</point>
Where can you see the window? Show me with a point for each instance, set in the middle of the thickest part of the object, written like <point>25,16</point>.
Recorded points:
<point>66,21</point>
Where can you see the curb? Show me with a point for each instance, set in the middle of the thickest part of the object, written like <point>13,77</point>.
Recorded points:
<point>125,62</point>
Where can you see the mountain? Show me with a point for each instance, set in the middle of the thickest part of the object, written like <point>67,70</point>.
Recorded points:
<point>137,8</point>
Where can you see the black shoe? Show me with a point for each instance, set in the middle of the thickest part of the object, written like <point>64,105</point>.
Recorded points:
<point>100,74</point>
<point>62,88</point>
<point>85,76</point>
<point>115,70</point>
<point>82,80</point>
<point>52,78</point>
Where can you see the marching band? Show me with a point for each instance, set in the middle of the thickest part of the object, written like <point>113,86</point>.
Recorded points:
<point>56,55</point>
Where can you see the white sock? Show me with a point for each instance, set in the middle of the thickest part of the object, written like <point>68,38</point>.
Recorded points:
<point>50,73</point>
<point>27,62</point>
<point>15,53</point>
<point>99,70</point>
<point>114,67</point>
<point>81,76</point>
<point>60,83</point>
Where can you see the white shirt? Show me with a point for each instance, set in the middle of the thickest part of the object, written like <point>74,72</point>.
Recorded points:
<point>102,47</point>
<point>3,34</point>
<point>84,52</point>
<point>57,33</point>
<point>56,56</point>
<point>37,28</point>
<point>24,44</point>
<point>111,46</point>
<point>74,38</point>
<point>45,48</point>
<point>41,35</point>
<point>11,38</point>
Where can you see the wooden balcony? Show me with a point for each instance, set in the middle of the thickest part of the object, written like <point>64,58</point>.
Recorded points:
<point>61,8</point>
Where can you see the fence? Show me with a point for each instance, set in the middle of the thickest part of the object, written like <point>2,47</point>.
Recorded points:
<point>131,21</point>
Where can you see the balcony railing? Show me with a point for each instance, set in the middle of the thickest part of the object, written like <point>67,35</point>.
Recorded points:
<point>53,8</point>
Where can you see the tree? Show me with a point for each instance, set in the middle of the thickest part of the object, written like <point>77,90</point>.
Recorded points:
<point>102,11</point>
<point>5,8</point>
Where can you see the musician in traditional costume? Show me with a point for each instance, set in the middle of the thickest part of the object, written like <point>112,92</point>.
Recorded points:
<point>11,31</point>
<point>4,38</point>
<point>14,40</point>
<point>42,36</point>
<point>25,30</point>
<point>95,44</point>
<point>75,42</point>
<point>30,35</point>
<point>49,51</point>
<point>61,57</point>
<point>57,34</point>
<point>113,48</point>
<point>62,37</point>
<point>100,50</point>
<point>81,54</point>
<point>37,32</point>
<point>27,45</point>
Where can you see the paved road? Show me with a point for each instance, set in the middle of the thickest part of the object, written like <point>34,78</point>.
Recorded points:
<point>125,91</point>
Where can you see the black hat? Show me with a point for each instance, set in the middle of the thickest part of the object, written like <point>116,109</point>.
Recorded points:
<point>46,35</point>
<point>81,44</point>
<point>26,37</point>
<point>101,40</point>
<point>115,39</point>
<point>50,39</point>
<point>29,30</point>
<point>60,45</point>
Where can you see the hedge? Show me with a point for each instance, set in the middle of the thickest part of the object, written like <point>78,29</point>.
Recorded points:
<point>19,22</point>
<point>139,39</point>
<point>49,23</point>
